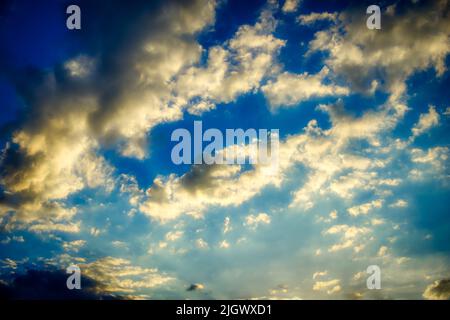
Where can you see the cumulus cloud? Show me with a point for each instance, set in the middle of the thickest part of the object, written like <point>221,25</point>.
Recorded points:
<point>414,39</point>
<point>431,163</point>
<point>330,286</point>
<point>39,170</point>
<point>73,245</point>
<point>77,109</point>
<point>438,290</point>
<point>224,244</point>
<point>206,186</point>
<point>234,68</point>
<point>365,208</point>
<point>350,236</point>
<point>383,251</point>
<point>252,221</point>
<point>340,171</point>
<point>174,235</point>
<point>290,89</point>
<point>290,5</point>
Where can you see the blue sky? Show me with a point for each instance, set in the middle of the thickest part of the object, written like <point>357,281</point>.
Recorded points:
<point>86,175</point>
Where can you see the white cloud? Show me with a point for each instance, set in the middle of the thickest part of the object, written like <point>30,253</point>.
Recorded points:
<point>55,227</point>
<point>118,275</point>
<point>447,112</point>
<point>350,235</point>
<point>224,244</point>
<point>201,243</point>
<point>80,67</point>
<point>290,5</point>
<point>426,122</point>
<point>319,274</point>
<point>333,214</point>
<point>413,40</point>
<point>227,225</point>
<point>382,251</point>
<point>174,235</point>
<point>307,19</point>
<point>431,163</point>
<point>232,69</point>
<point>290,89</point>
<point>73,245</point>
<point>365,208</point>
<point>400,203</point>
<point>253,221</point>
<point>331,286</point>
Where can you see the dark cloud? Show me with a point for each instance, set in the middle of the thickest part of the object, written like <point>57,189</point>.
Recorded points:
<point>50,285</point>
<point>194,287</point>
<point>439,290</point>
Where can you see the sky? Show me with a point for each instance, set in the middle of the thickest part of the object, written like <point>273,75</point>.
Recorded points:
<point>86,175</point>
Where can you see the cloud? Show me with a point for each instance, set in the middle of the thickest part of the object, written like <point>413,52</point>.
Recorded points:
<point>438,290</point>
<point>400,203</point>
<point>119,275</point>
<point>55,154</point>
<point>350,236</point>
<point>201,243</point>
<point>73,245</point>
<point>291,89</point>
<point>7,240</point>
<point>331,286</point>
<point>308,19</point>
<point>365,208</point>
<point>431,163</point>
<point>51,285</point>
<point>290,5</point>
<point>174,235</point>
<point>383,251</point>
<point>232,69</point>
<point>9,263</point>
<point>339,170</point>
<point>206,186</point>
<point>319,274</point>
<point>84,105</point>
<point>227,225</point>
<point>55,227</point>
<point>195,287</point>
<point>253,221</point>
<point>80,67</point>
<point>414,39</point>
<point>426,122</point>
<point>224,244</point>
